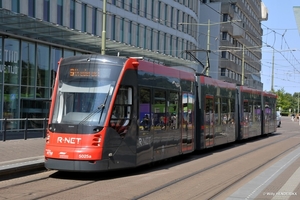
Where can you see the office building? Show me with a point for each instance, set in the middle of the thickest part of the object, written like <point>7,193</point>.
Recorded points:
<point>35,34</point>
<point>234,38</point>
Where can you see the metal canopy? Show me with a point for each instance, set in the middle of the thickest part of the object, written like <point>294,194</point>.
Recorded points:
<point>25,26</point>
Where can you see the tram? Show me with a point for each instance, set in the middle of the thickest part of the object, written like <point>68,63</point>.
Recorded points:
<point>110,113</point>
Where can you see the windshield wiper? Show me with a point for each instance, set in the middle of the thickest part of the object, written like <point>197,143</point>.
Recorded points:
<point>99,109</point>
<point>102,106</point>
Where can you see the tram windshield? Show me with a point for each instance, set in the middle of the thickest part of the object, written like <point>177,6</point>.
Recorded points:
<point>83,98</point>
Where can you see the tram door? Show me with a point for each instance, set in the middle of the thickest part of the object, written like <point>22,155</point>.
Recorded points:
<point>145,136</point>
<point>187,122</point>
<point>209,121</point>
<point>245,119</point>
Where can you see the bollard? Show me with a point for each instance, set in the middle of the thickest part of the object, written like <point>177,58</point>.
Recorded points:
<point>45,127</point>
<point>25,132</point>
<point>4,132</point>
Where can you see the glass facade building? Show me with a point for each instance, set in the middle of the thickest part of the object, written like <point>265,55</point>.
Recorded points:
<point>27,74</point>
<point>36,34</point>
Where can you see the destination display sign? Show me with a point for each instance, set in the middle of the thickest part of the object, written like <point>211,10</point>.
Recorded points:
<point>89,72</point>
<point>83,72</point>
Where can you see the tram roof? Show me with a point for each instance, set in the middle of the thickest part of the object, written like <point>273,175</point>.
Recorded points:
<point>12,23</point>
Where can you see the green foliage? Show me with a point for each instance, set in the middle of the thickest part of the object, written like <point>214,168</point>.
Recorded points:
<point>287,102</point>
<point>284,113</point>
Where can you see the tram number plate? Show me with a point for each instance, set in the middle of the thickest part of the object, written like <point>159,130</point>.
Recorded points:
<point>85,156</point>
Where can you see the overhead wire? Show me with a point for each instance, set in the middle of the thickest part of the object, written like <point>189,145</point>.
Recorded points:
<point>266,43</point>
<point>270,31</point>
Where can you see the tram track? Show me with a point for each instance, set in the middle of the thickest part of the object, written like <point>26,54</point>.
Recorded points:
<point>76,183</point>
<point>235,180</point>
<point>241,177</point>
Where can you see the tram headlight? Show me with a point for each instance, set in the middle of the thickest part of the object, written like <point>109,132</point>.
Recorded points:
<point>47,138</point>
<point>97,140</point>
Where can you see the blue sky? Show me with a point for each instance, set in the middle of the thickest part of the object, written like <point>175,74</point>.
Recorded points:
<point>281,35</point>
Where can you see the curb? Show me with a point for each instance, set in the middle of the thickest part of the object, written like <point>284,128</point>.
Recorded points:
<point>22,165</point>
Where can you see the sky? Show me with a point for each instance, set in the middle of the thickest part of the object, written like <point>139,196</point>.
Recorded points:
<point>281,38</point>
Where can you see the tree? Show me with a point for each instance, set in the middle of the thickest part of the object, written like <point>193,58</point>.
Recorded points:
<point>284,100</point>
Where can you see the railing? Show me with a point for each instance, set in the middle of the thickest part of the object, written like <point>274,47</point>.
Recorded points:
<point>23,128</point>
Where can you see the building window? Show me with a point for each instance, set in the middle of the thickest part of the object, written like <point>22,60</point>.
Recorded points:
<point>94,21</point>
<point>11,60</point>
<point>172,15</point>
<point>68,53</point>
<point>183,20</point>
<point>158,11</point>
<point>28,68</point>
<point>43,66</point>
<point>56,54</point>
<point>138,35</point>
<point>152,10</point>
<point>60,12</point>
<point>145,8</point>
<point>130,32</point>
<point>165,44</point>
<point>177,46</point>
<point>224,35</point>
<point>31,8</point>
<point>46,14</point>
<point>145,38</point>
<point>130,5</point>
<point>223,70</point>
<point>158,41</point>
<point>122,30</point>
<point>225,17</point>
<point>113,27</point>
<point>223,54</point>
<point>177,19</point>
<point>15,6</point>
<point>151,40</point>
<point>72,14</point>
<point>166,15</point>
<point>83,17</point>
<point>11,76</point>
<point>171,46</point>
<point>182,46</point>
<point>138,5</point>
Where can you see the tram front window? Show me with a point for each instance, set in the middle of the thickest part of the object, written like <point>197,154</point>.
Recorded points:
<point>84,105</point>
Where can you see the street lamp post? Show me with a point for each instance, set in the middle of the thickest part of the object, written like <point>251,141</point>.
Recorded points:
<point>243,65</point>
<point>272,80</point>
<point>273,56</point>
<point>298,105</point>
<point>207,47</point>
<point>103,39</point>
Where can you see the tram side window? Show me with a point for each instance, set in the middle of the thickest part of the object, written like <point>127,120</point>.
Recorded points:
<point>268,111</point>
<point>121,115</point>
<point>257,111</point>
<point>246,111</point>
<point>217,111</point>
<point>231,110</point>
<point>273,111</point>
<point>159,109</point>
<point>250,113</point>
<point>173,109</point>
<point>209,111</point>
<point>225,114</point>
<point>146,120</point>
